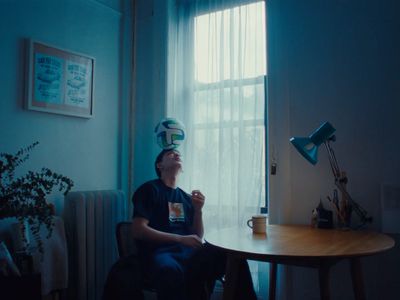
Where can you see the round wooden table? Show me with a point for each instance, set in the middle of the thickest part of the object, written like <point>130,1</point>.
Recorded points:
<point>300,246</point>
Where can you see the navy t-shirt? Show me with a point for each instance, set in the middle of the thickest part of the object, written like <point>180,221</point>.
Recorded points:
<point>167,209</point>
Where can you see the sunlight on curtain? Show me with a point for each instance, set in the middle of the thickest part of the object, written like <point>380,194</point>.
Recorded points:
<point>217,65</point>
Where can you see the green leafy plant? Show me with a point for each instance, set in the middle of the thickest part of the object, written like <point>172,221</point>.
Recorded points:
<point>24,197</point>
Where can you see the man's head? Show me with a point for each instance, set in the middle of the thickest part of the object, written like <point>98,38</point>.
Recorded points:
<point>168,160</point>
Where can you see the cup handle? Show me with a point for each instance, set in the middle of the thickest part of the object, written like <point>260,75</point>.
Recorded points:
<point>248,223</point>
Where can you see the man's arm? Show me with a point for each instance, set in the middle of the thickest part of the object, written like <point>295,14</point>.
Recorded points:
<point>142,231</point>
<point>198,200</point>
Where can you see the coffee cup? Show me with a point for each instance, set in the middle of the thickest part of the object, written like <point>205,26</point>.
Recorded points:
<point>258,223</point>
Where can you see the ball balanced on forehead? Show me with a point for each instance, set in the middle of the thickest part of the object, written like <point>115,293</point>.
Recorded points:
<point>170,133</point>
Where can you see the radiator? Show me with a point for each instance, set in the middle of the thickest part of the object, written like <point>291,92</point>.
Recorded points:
<point>90,219</point>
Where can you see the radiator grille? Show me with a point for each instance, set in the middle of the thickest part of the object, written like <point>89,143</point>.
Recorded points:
<point>91,218</point>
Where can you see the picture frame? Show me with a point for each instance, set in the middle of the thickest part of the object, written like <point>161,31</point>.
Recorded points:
<point>59,81</point>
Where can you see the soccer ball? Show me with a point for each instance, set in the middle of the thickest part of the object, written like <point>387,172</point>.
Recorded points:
<point>170,133</point>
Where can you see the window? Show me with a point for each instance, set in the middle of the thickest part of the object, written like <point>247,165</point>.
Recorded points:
<point>222,103</point>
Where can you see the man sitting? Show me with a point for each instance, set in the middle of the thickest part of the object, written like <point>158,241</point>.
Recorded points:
<point>168,224</point>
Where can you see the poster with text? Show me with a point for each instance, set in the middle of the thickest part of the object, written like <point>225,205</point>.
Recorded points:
<point>48,78</point>
<point>78,84</point>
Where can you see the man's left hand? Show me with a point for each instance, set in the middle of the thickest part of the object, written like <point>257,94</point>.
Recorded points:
<point>198,200</point>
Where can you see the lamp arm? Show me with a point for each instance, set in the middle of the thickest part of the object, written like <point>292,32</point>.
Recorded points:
<point>340,182</point>
<point>332,160</point>
<point>360,211</point>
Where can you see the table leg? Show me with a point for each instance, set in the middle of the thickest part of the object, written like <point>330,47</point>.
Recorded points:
<point>324,289</point>
<point>231,277</point>
<point>357,278</point>
<point>272,281</point>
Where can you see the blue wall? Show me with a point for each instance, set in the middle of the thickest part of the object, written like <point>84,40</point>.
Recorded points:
<point>338,61</point>
<point>150,84</point>
<point>335,61</point>
<point>86,150</point>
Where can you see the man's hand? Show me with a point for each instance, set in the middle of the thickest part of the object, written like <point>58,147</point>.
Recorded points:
<point>141,230</point>
<point>192,241</point>
<point>198,200</point>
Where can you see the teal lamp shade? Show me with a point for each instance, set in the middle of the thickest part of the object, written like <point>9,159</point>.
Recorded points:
<point>308,146</point>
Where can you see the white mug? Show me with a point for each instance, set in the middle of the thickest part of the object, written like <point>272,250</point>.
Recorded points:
<point>258,223</point>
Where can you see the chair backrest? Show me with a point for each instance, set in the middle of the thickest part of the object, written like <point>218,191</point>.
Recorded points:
<point>126,243</point>
<point>127,247</point>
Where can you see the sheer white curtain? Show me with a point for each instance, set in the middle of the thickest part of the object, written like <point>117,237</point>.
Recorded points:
<point>217,66</point>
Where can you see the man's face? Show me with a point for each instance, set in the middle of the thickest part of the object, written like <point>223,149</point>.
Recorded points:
<point>171,160</point>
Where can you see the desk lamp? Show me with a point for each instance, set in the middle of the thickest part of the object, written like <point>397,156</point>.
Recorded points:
<point>308,148</point>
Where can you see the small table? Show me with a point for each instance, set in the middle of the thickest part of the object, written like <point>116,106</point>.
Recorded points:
<point>299,246</point>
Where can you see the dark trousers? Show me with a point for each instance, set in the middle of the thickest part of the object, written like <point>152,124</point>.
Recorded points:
<point>181,273</point>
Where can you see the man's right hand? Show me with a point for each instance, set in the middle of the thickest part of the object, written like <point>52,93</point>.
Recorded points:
<point>142,231</point>
<point>191,240</point>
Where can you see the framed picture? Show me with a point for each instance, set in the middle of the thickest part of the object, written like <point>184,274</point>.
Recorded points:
<point>59,81</point>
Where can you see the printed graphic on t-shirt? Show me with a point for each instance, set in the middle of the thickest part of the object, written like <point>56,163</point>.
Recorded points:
<point>176,212</point>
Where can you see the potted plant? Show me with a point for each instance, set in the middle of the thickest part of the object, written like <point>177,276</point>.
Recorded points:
<point>24,197</point>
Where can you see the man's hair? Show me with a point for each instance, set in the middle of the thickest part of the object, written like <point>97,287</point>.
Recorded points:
<point>159,159</point>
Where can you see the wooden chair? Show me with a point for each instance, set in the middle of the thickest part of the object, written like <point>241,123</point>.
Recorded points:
<point>127,247</point>
<point>125,279</point>
<point>126,243</point>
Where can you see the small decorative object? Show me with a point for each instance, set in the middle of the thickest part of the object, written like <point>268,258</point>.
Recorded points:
<point>59,81</point>
<point>170,133</point>
<point>25,197</point>
<point>322,218</point>
<point>308,148</point>
<point>314,218</point>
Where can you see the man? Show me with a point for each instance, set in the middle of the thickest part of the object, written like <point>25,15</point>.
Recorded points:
<point>168,224</point>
